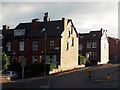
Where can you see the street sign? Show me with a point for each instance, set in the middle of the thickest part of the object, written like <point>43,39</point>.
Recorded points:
<point>23,62</point>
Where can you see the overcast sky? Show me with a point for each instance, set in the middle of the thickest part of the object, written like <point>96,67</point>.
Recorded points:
<point>86,16</point>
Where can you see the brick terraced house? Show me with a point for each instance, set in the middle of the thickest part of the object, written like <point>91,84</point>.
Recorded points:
<point>114,49</point>
<point>94,46</point>
<point>30,39</point>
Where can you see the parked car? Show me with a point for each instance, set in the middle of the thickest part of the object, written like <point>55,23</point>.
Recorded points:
<point>10,74</point>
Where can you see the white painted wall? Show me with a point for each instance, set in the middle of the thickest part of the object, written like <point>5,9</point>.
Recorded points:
<point>104,49</point>
<point>69,58</point>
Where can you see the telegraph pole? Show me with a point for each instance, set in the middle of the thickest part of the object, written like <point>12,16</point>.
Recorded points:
<point>45,57</point>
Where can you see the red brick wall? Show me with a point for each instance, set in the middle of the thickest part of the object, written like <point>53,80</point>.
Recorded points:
<point>28,52</point>
<point>85,49</point>
<point>113,47</point>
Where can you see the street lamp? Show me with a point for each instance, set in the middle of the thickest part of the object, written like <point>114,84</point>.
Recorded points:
<point>45,54</point>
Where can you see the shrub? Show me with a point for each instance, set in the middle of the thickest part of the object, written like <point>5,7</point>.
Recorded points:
<point>51,66</point>
<point>82,60</point>
<point>4,62</point>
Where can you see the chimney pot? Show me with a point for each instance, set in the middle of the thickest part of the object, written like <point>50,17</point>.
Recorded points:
<point>5,27</point>
<point>46,18</point>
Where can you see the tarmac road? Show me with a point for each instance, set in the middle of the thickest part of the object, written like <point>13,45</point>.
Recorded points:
<point>80,78</point>
<point>73,79</point>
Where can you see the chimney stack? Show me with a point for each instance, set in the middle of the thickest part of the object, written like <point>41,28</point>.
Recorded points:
<point>46,18</point>
<point>5,27</point>
<point>35,23</point>
<point>35,20</point>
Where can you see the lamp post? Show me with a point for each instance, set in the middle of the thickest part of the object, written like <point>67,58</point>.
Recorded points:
<point>45,55</point>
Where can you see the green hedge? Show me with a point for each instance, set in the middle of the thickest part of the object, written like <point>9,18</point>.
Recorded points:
<point>82,60</point>
<point>52,66</point>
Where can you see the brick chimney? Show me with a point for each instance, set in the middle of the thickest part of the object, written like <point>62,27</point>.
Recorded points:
<point>46,18</point>
<point>35,23</point>
<point>5,27</point>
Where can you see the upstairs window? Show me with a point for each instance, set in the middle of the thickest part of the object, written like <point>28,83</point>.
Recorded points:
<point>88,44</point>
<point>71,30</point>
<point>19,32</point>
<point>69,34</point>
<point>94,45</point>
<point>80,47</point>
<point>67,46</point>
<point>52,45</point>
<point>21,46</point>
<point>35,45</point>
<point>8,46</point>
<point>72,41</point>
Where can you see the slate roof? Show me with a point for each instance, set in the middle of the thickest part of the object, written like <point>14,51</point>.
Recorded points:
<point>51,28</point>
<point>92,35</point>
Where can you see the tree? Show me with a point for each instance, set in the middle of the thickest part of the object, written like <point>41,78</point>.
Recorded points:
<point>5,62</point>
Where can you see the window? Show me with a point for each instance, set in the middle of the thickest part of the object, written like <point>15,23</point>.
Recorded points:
<point>71,30</point>
<point>19,32</point>
<point>42,58</point>
<point>21,46</point>
<point>80,47</point>
<point>69,33</point>
<point>13,58</point>
<point>93,54</point>
<point>88,44</point>
<point>50,59</point>
<point>52,45</point>
<point>20,58</point>
<point>8,46</point>
<point>35,45</point>
<point>94,45</point>
<point>67,46</point>
<point>72,41</point>
<point>34,59</point>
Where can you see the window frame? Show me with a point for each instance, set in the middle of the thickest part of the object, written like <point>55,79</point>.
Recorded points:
<point>94,44</point>
<point>52,44</point>
<point>89,44</point>
<point>21,46</point>
<point>8,46</point>
<point>35,46</point>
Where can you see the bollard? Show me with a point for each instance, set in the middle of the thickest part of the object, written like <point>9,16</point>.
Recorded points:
<point>89,74</point>
<point>108,76</point>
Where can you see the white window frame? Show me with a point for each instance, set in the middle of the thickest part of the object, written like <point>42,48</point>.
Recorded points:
<point>8,46</point>
<point>80,47</point>
<point>88,44</point>
<point>94,44</point>
<point>21,46</point>
<point>35,45</point>
<point>19,32</point>
<point>52,44</point>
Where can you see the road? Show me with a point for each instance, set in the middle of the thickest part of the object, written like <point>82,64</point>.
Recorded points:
<point>79,79</point>
<point>73,79</point>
